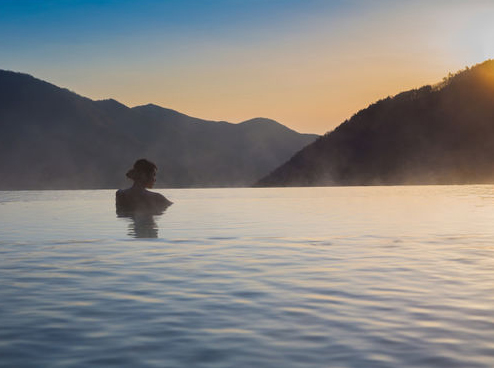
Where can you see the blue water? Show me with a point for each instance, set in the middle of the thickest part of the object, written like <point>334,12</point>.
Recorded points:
<point>299,277</point>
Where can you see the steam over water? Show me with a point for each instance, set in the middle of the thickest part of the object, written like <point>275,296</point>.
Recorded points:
<point>300,277</point>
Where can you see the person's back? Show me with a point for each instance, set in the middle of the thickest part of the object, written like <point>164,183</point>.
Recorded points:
<point>137,197</point>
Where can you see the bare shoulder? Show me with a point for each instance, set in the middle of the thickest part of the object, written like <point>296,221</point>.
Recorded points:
<point>122,197</point>
<point>161,199</point>
<point>140,200</point>
<point>122,194</point>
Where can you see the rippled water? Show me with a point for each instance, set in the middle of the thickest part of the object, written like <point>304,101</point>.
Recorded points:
<point>300,277</point>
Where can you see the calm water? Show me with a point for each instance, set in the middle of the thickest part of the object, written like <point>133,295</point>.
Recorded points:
<point>316,277</point>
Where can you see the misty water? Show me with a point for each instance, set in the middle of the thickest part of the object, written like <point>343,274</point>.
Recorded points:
<point>297,277</point>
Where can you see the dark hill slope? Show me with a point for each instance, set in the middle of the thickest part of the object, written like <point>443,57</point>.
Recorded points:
<point>211,153</point>
<point>439,134</point>
<point>53,138</point>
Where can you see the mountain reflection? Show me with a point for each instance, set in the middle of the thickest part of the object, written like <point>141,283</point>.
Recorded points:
<point>142,224</point>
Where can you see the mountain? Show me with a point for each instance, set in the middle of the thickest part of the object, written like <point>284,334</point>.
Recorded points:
<point>52,138</point>
<point>441,134</point>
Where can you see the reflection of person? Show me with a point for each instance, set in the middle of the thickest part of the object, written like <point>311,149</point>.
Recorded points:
<point>142,225</point>
<point>137,197</point>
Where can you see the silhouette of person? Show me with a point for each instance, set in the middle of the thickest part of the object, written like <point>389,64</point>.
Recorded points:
<point>137,198</point>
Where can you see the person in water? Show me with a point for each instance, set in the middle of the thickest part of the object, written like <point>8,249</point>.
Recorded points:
<point>137,197</point>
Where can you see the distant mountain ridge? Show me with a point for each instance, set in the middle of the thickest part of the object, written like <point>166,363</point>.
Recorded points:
<point>442,134</point>
<point>52,138</point>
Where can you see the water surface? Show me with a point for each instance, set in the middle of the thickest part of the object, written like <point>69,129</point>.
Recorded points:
<point>296,277</point>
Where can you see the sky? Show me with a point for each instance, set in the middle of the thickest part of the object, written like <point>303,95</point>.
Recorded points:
<point>308,64</point>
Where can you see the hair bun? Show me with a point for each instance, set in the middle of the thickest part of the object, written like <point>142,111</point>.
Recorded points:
<point>131,174</point>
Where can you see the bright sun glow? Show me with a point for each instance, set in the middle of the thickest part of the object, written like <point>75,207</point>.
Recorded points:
<point>477,36</point>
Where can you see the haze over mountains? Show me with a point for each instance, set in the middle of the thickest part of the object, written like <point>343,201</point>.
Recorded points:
<point>442,134</point>
<point>51,138</point>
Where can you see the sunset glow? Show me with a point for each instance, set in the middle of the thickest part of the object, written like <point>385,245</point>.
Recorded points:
<point>307,64</point>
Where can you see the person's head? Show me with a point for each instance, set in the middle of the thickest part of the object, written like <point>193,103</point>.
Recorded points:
<point>143,173</point>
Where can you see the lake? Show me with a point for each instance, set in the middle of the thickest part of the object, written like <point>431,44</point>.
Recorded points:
<point>295,277</point>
